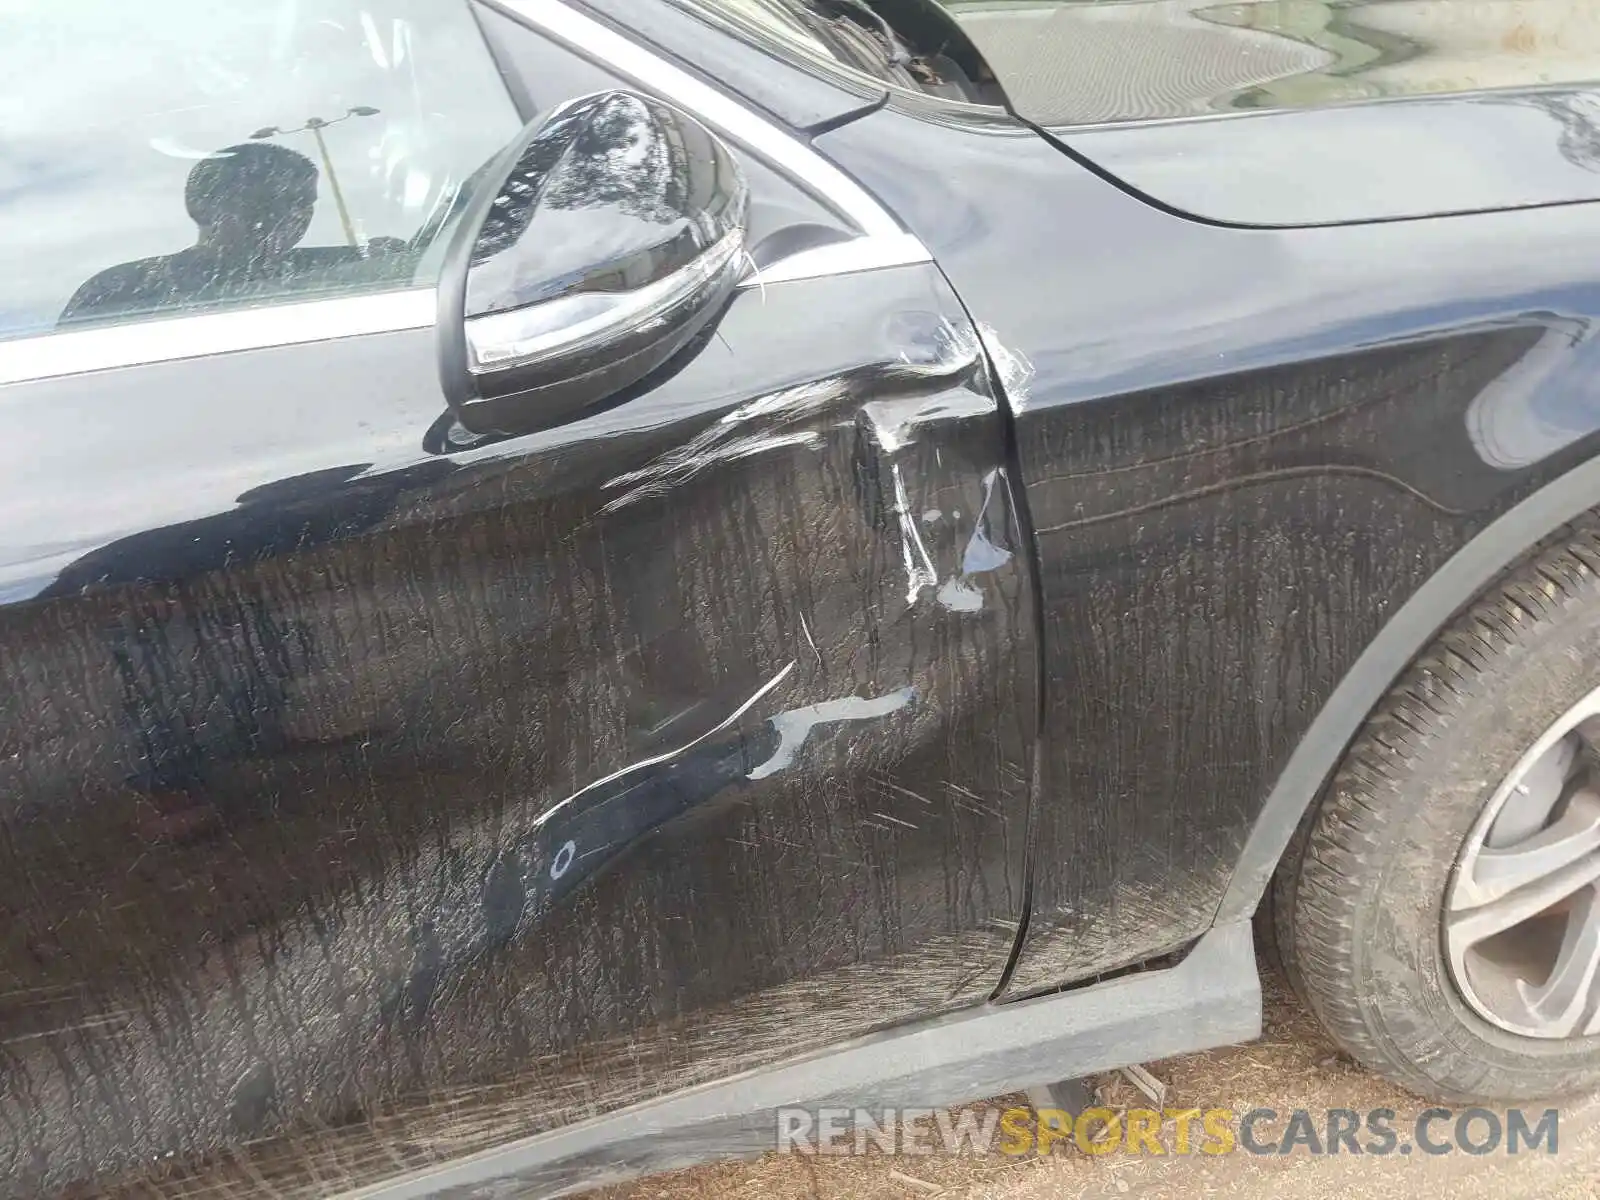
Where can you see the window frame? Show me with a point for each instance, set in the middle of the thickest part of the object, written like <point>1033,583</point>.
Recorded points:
<point>881,241</point>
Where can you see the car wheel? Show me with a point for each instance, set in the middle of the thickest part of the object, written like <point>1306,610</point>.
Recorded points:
<point>1440,910</point>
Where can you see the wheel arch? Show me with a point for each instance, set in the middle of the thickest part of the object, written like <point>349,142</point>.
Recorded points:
<point>1417,622</point>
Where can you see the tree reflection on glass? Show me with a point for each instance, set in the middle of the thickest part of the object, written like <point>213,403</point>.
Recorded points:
<point>1579,116</point>
<point>607,152</point>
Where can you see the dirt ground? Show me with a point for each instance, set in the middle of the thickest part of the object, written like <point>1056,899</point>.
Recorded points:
<point>1292,1066</point>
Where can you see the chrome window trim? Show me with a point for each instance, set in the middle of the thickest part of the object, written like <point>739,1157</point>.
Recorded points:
<point>841,258</point>
<point>170,339</point>
<point>174,338</point>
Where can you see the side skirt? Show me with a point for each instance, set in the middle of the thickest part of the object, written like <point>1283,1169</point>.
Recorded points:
<point>1211,998</point>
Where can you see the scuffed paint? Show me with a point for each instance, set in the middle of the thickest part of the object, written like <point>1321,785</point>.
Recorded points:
<point>981,553</point>
<point>758,427</point>
<point>897,397</point>
<point>895,422</point>
<point>796,725</point>
<point>543,818</point>
<point>472,824</point>
<point>1012,365</point>
<point>958,595</point>
<point>914,555</point>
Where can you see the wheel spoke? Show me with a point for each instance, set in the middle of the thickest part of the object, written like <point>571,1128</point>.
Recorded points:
<point>1498,872</point>
<point>1534,795</point>
<point>1558,1005</point>
<point>1468,926</point>
<point>1522,913</point>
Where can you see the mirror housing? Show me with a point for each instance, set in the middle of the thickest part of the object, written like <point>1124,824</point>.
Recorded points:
<point>594,248</point>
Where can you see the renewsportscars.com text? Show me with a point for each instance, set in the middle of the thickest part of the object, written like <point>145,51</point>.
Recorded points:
<point>1262,1131</point>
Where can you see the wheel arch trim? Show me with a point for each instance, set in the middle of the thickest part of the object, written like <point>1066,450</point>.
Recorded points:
<point>1418,621</point>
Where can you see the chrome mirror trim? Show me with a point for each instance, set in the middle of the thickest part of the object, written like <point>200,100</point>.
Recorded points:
<point>571,324</point>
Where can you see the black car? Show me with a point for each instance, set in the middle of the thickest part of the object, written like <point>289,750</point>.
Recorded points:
<point>574,574</point>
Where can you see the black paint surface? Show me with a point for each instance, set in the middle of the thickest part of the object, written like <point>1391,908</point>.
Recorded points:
<point>1362,162</point>
<point>409,778</point>
<point>371,794</point>
<point>1243,449</point>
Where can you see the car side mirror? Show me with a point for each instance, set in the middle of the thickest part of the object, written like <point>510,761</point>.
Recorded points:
<point>608,235</point>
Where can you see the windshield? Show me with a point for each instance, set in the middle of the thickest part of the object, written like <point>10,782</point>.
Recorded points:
<point>788,21</point>
<point>1084,62</point>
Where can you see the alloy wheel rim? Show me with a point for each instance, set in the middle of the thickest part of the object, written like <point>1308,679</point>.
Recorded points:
<point>1522,910</point>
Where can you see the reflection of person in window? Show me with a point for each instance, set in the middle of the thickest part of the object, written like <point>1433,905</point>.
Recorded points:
<point>253,204</point>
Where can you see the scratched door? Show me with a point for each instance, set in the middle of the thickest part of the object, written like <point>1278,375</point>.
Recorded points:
<point>370,794</point>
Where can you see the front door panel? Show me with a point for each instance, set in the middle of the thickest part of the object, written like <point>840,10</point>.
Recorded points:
<point>371,794</point>
<point>487,789</point>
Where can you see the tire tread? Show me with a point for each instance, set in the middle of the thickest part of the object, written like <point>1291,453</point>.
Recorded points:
<point>1310,917</point>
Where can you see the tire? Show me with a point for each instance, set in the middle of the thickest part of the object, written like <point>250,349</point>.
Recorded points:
<point>1355,913</point>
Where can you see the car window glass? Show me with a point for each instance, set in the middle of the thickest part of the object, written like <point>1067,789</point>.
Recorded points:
<point>194,155</point>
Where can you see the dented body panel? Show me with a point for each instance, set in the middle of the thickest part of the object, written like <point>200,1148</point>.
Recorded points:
<point>381,801</point>
<point>416,801</point>
<point>1244,451</point>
